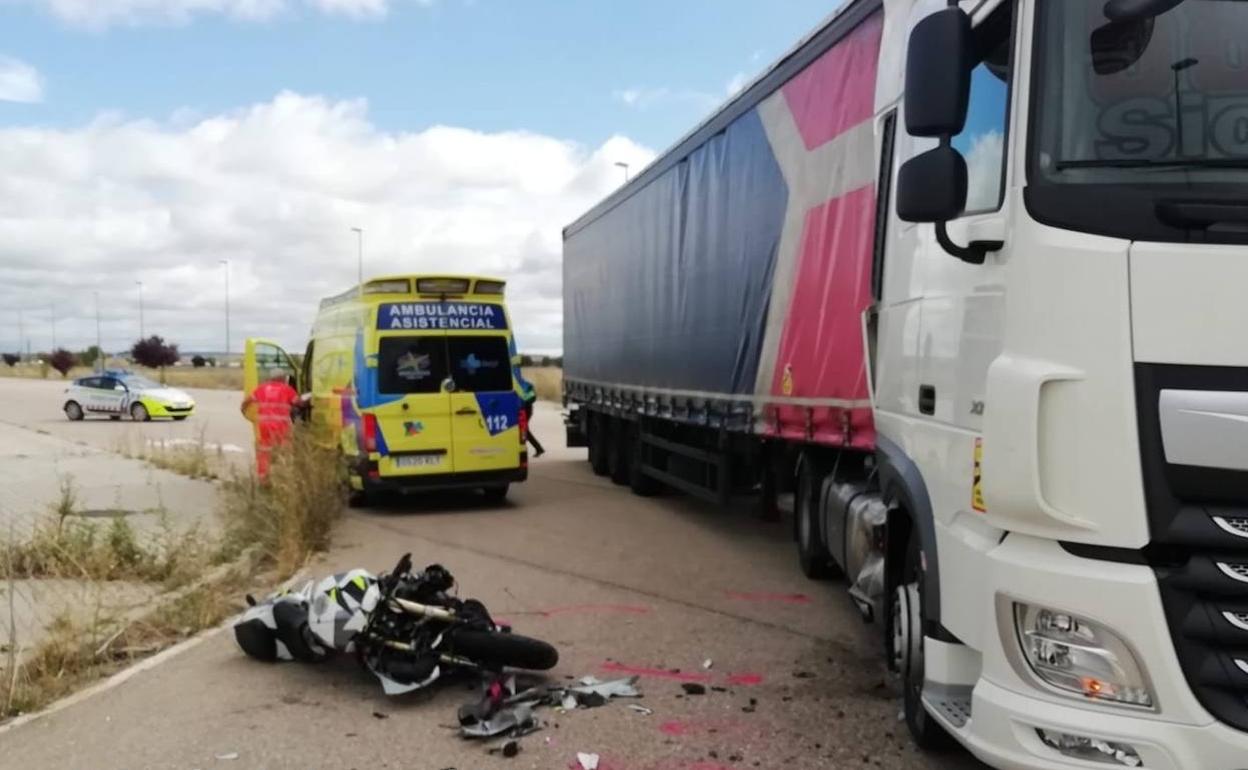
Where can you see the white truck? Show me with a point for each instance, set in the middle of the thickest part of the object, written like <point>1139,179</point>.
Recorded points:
<point>973,279</point>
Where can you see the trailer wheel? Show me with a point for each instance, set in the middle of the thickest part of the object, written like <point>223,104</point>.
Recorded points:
<point>598,438</point>
<point>812,553</point>
<point>642,484</point>
<point>906,623</point>
<point>619,451</point>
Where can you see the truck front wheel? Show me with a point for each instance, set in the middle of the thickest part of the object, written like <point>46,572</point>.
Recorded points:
<point>906,623</point>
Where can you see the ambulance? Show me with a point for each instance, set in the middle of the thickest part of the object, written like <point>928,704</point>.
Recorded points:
<point>412,378</point>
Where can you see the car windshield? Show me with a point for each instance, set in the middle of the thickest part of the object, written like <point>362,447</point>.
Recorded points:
<point>1159,100</point>
<point>135,382</point>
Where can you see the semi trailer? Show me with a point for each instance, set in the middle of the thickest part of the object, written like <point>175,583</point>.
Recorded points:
<point>969,280</point>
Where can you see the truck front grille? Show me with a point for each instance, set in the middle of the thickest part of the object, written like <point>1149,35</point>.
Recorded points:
<point>1198,518</point>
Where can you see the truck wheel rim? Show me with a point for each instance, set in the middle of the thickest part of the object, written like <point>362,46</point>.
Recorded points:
<point>907,650</point>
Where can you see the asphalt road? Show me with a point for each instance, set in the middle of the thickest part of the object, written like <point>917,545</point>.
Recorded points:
<point>620,584</point>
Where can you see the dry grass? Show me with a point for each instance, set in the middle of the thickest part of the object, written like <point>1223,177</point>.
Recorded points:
<point>208,377</point>
<point>548,380</point>
<point>196,459</point>
<point>76,653</point>
<point>62,545</point>
<point>291,515</point>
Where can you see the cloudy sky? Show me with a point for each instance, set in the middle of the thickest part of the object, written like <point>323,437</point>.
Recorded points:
<point>148,140</point>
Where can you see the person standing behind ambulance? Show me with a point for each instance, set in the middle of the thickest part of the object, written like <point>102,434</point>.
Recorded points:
<point>275,401</point>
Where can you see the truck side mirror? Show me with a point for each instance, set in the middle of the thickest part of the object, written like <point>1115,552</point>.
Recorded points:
<point>932,187</point>
<point>938,74</point>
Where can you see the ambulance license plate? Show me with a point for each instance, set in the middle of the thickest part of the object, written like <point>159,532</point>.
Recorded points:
<point>417,461</point>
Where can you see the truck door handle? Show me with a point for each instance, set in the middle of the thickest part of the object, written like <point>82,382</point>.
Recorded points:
<point>927,399</point>
<point>466,410</point>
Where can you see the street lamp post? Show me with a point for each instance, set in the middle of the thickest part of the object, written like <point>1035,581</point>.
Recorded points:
<point>52,317</point>
<point>142,333</point>
<point>1178,67</point>
<point>359,237</point>
<point>226,263</point>
<point>625,166</point>
<point>21,333</point>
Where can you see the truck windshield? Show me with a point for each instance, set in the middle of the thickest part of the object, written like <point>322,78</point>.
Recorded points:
<point>1157,106</point>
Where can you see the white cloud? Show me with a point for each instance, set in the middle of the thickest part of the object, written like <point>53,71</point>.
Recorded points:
<point>275,189</point>
<point>98,14</point>
<point>983,166</point>
<point>19,82</point>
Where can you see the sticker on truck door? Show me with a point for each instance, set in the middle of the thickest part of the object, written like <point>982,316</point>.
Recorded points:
<point>977,478</point>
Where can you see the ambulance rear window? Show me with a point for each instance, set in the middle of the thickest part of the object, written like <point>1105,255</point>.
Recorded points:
<point>411,364</point>
<point>480,364</point>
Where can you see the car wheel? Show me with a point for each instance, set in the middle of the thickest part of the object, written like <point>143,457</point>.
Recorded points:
<point>139,413</point>
<point>73,411</point>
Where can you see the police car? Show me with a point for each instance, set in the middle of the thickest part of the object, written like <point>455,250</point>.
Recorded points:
<point>120,394</point>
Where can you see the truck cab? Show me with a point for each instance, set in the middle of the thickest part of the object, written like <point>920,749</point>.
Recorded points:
<point>1060,381</point>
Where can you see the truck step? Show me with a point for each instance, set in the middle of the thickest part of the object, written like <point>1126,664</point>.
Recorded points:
<point>952,704</point>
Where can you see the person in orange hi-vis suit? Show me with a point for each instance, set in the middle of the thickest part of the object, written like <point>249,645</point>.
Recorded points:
<point>275,401</point>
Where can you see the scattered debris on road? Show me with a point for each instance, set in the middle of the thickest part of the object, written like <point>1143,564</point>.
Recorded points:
<point>693,688</point>
<point>587,761</point>
<point>227,757</point>
<point>640,709</point>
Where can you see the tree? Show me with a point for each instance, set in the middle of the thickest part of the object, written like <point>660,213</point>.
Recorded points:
<point>154,353</point>
<point>90,356</point>
<point>11,359</point>
<point>62,361</point>
<point>199,362</point>
<point>526,359</point>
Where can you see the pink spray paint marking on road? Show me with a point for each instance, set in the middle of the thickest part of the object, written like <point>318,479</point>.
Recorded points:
<point>745,679</point>
<point>762,596</point>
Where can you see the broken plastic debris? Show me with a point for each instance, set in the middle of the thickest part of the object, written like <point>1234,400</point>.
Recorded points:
<point>515,718</point>
<point>706,664</point>
<point>231,755</point>
<point>587,761</point>
<point>616,688</point>
<point>569,702</point>
<point>693,688</point>
<point>641,709</point>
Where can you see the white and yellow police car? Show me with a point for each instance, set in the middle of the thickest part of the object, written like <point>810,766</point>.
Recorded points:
<point>125,394</point>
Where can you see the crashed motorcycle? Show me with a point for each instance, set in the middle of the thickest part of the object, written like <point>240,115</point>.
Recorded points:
<point>405,627</point>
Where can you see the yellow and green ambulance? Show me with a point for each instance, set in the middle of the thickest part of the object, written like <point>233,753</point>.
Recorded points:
<point>413,378</point>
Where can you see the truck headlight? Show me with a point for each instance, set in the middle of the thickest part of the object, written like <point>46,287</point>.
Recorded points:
<point>1078,656</point>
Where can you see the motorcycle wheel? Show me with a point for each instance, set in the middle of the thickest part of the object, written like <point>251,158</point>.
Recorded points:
<point>496,650</point>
